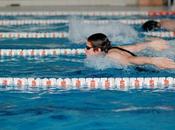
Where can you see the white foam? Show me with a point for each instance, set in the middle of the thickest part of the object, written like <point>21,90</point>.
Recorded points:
<point>133,108</point>
<point>101,63</point>
<point>117,32</point>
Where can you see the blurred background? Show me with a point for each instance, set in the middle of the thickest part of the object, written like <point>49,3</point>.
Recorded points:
<point>86,2</point>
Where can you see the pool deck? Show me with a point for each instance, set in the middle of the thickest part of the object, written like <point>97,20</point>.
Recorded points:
<point>81,8</point>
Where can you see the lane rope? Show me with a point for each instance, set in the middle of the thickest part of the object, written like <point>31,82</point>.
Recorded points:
<point>88,83</point>
<point>160,34</point>
<point>33,35</point>
<point>40,52</point>
<point>65,34</point>
<point>87,13</point>
<point>46,22</point>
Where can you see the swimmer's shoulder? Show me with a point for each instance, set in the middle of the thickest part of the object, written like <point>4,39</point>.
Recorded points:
<point>113,54</point>
<point>120,58</point>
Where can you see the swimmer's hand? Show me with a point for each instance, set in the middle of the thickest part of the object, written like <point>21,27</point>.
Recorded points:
<point>158,44</point>
<point>163,63</point>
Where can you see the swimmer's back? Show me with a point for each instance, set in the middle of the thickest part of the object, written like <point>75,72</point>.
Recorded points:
<point>122,51</point>
<point>119,55</point>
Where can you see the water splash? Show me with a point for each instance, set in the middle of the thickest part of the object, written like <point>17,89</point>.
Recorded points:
<point>117,32</point>
<point>101,63</point>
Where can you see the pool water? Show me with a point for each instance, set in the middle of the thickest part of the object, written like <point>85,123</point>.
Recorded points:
<point>87,110</point>
<point>78,109</point>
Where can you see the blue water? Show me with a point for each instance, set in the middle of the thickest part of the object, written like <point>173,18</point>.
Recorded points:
<point>88,110</point>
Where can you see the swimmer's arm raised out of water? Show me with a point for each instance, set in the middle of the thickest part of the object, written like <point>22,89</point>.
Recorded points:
<point>156,44</point>
<point>160,62</point>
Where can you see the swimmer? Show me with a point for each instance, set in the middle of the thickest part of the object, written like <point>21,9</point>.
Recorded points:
<point>152,25</point>
<point>99,44</point>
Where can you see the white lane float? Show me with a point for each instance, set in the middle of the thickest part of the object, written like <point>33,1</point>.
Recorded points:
<point>123,84</point>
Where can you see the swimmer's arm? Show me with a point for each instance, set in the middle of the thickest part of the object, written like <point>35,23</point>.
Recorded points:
<point>168,24</point>
<point>156,44</point>
<point>136,47</point>
<point>160,62</point>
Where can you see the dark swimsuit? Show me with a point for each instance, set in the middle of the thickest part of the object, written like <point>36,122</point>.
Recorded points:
<point>123,50</point>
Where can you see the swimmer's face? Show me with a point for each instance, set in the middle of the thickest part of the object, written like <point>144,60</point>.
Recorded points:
<point>90,50</point>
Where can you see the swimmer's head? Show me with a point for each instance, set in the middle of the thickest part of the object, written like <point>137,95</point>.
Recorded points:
<point>150,25</point>
<point>98,42</point>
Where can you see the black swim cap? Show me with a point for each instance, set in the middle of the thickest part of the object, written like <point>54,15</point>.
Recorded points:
<point>100,40</point>
<point>150,25</point>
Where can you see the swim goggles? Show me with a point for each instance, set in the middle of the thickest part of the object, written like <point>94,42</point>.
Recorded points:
<point>88,48</point>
